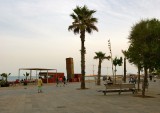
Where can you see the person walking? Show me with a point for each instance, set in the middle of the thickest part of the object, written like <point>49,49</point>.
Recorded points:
<point>150,77</point>
<point>60,81</point>
<point>57,81</point>
<point>40,84</point>
<point>64,81</point>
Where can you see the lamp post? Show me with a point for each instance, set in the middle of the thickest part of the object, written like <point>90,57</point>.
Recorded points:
<point>107,69</point>
<point>93,69</point>
<point>109,46</point>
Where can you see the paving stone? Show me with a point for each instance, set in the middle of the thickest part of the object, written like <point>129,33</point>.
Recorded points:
<point>70,99</point>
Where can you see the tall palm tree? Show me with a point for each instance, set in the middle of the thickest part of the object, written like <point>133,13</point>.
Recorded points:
<point>100,56</point>
<point>124,53</point>
<point>83,21</point>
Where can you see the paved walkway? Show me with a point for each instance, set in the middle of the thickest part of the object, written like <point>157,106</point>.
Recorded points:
<point>69,99</point>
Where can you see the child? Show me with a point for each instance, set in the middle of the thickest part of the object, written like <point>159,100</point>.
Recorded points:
<point>40,83</point>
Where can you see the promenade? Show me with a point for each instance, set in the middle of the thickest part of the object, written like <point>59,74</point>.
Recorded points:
<point>70,99</point>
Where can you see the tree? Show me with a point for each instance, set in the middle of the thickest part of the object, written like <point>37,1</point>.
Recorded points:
<point>26,75</point>
<point>5,75</point>
<point>100,56</point>
<point>144,46</point>
<point>135,58</point>
<point>4,83</point>
<point>117,61</point>
<point>83,21</point>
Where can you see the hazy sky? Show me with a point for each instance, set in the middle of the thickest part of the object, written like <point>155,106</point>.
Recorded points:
<point>34,33</point>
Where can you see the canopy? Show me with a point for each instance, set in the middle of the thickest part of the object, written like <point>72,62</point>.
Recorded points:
<point>35,69</point>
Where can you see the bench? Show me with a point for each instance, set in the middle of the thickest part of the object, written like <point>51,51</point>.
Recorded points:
<point>118,88</point>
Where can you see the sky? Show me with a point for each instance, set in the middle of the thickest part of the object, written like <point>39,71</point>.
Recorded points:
<point>34,33</point>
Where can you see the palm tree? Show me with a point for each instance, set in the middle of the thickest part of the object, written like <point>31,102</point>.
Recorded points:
<point>26,75</point>
<point>5,75</point>
<point>4,83</point>
<point>101,56</point>
<point>124,53</point>
<point>116,62</point>
<point>83,21</point>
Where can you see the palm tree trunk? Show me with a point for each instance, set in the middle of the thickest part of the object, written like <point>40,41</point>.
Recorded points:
<point>82,36</point>
<point>115,75</point>
<point>99,73</point>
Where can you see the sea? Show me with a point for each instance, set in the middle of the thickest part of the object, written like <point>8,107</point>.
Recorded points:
<point>14,78</point>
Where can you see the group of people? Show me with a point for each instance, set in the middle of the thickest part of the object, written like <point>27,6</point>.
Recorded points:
<point>60,81</point>
<point>133,79</point>
<point>108,80</point>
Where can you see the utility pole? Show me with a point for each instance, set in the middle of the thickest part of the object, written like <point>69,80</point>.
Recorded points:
<point>107,70</point>
<point>94,76</point>
<point>93,69</point>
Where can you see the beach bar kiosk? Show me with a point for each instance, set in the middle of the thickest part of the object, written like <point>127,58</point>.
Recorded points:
<point>37,70</point>
<point>50,76</point>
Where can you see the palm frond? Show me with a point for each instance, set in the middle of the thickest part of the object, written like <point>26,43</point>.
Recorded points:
<point>82,18</point>
<point>71,27</point>
<point>76,30</point>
